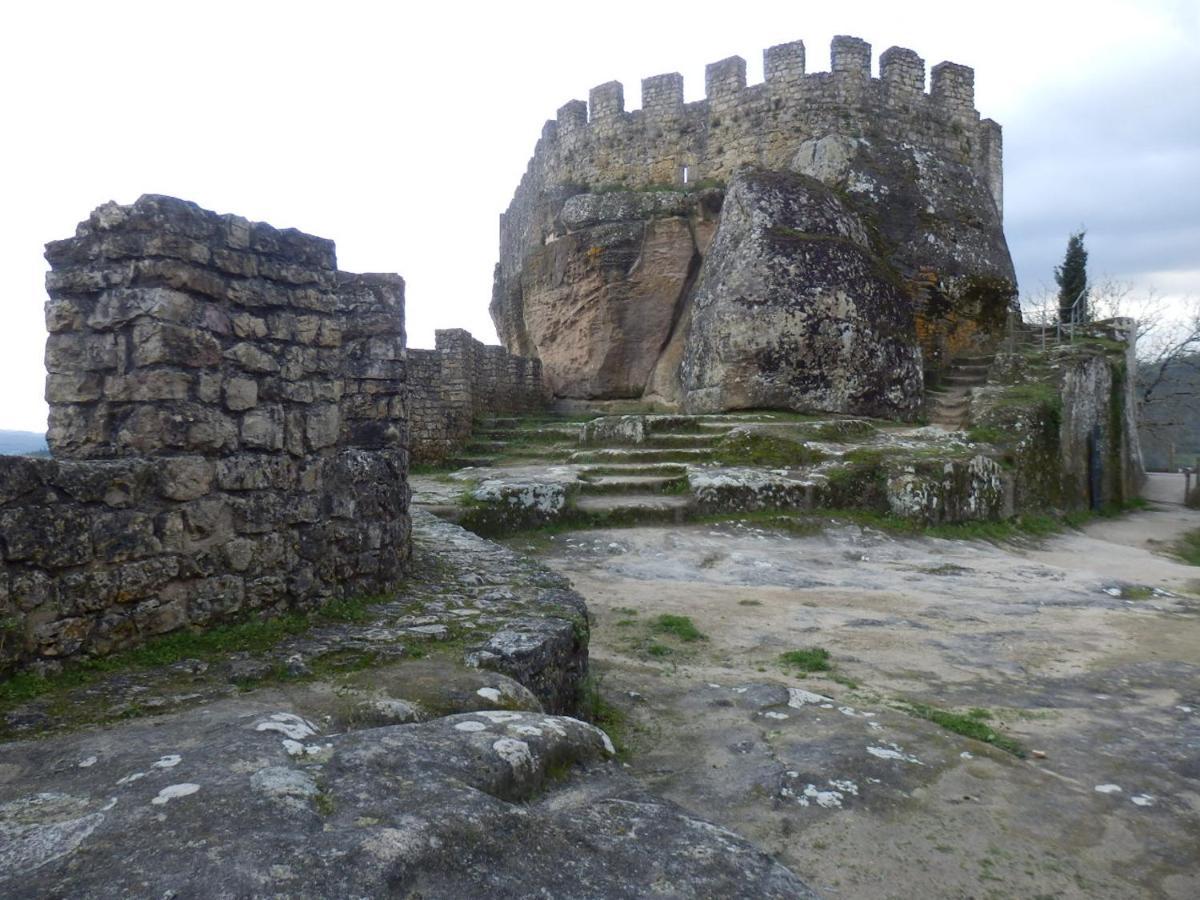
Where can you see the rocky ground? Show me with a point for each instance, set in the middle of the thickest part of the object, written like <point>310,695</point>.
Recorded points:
<point>412,746</point>
<point>1079,654</point>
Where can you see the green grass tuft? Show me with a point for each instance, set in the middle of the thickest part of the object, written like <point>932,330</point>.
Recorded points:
<point>1187,548</point>
<point>681,627</point>
<point>972,725</point>
<point>814,659</point>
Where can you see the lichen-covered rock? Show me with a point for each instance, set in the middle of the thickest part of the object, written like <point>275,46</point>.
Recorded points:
<point>793,309</point>
<point>252,800</point>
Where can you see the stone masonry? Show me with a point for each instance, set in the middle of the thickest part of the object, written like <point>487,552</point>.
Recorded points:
<point>460,380</point>
<point>605,246</point>
<point>228,430</point>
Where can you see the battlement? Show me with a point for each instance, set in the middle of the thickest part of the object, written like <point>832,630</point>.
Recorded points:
<point>600,144</point>
<point>901,77</point>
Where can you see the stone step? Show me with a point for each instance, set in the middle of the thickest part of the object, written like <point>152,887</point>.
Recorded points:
<point>613,455</point>
<point>633,484</point>
<point>669,440</point>
<point>636,507</point>
<point>956,380</point>
<point>467,462</point>
<point>964,369</point>
<point>477,448</point>
<point>662,470</point>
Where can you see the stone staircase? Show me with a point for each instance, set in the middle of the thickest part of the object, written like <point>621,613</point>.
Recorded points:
<point>520,474</point>
<point>949,404</point>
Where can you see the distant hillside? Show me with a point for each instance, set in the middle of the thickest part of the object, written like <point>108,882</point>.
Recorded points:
<point>21,443</point>
<point>1173,419</point>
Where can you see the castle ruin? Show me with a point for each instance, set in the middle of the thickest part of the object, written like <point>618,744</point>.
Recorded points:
<point>864,249</point>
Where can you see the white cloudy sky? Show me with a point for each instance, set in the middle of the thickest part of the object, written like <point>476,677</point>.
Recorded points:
<point>401,134</point>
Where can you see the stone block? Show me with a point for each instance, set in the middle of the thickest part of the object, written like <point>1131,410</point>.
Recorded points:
<point>120,306</point>
<point>144,386</point>
<point>138,580</point>
<point>88,591</point>
<point>252,358</point>
<point>207,522</point>
<point>83,387</point>
<point>241,394</point>
<point>262,428</point>
<point>158,343</point>
<point>51,536</point>
<point>248,327</point>
<point>121,535</point>
<point>153,617</point>
<point>322,424</point>
<point>31,589</point>
<point>65,315</point>
<point>70,353</point>
<point>62,637</point>
<point>254,472</point>
<point>186,477</point>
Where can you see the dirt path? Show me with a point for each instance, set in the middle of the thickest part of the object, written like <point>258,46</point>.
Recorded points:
<point>1085,649</point>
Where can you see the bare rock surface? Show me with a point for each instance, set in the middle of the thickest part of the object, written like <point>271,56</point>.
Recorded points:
<point>412,749</point>
<point>1081,649</point>
<point>241,799</point>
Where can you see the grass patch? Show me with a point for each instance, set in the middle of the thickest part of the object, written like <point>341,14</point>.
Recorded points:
<point>813,659</point>
<point>1187,548</point>
<point>749,603</point>
<point>681,627</point>
<point>972,724</point>
<point>658,650</point>
<point>754,448</point>
<point>591,706</point>
<point>219,642</point>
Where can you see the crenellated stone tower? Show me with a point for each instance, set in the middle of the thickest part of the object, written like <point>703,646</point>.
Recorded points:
<point>867,250</point>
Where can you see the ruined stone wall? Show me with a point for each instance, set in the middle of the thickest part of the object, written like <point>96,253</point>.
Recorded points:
<point>461,380</point>
<point>228,426</point>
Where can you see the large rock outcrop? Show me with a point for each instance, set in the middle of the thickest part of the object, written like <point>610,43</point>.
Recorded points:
<point>793,309</point>
<point>602,294</point>
<point>603,243</point>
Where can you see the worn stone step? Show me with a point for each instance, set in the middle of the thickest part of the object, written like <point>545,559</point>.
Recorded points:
<point>633,484</point>
<point>636,507</point>
<point>670,440</point>
<point>956,380</point>
<point>478,448</point>
<point>639,455</point>
<point>663,470</point>
<point>466,462</point>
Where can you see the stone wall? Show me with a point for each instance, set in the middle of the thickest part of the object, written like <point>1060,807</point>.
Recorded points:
<point>461,380</point>
<point>611,220</point>
<point>228,427</point>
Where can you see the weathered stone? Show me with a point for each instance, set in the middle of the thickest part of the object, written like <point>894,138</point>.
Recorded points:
<point>186,477</point>
<point>140,386</point>
<point>263,428</point>
<point>122,305</point>
<point>322,424</point>
<point>241,394</point>
<point>70,353</point>
<point>252,358</point>
<point>158,342</point>
<point>794,310</point>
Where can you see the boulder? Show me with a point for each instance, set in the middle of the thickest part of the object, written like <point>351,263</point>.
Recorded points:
<point>795,309</point>
<point>249,800</point>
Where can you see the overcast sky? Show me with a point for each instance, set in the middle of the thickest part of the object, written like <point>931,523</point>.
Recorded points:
<point>401,135</point>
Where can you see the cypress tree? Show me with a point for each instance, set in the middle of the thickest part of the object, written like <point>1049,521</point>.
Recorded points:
<point>1071,277</point>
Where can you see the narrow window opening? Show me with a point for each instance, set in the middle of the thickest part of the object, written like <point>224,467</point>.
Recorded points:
<point>685,174</point>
